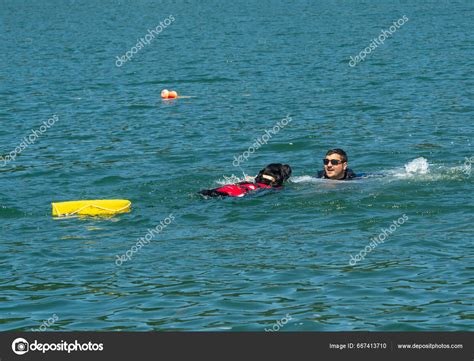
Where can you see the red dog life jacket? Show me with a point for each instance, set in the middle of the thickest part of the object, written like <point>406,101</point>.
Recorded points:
<point>240,189</point>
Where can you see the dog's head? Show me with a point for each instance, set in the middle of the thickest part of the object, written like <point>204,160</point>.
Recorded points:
<point>274,174</point>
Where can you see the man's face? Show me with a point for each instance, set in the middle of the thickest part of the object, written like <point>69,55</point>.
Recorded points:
<point>334,171</point>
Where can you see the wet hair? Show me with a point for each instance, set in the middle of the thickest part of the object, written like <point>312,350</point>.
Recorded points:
<point>338,151</point>
<point>280,172</point>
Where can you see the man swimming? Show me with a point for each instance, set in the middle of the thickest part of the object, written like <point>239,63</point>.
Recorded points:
<point>335,166</point>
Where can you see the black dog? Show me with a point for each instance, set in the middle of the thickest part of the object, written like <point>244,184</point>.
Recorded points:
<point>272,176</point>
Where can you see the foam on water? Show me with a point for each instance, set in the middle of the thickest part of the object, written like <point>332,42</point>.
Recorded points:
<point>417,166</point>
<point>305,179</point>
<point>420,169</point>
<point>234,179</point>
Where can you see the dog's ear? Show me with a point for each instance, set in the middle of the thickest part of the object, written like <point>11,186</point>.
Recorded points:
<point>285,172</point>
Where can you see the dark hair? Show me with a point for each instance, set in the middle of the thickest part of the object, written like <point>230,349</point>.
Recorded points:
<point>338,151</point>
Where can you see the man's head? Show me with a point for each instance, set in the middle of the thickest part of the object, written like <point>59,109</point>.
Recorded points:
<point>335,163</point>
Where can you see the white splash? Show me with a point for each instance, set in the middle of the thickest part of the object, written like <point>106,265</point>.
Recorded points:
<point>417,166</point>
<point>231,180</point>
<point>420,169</point>
<point>304,179</point>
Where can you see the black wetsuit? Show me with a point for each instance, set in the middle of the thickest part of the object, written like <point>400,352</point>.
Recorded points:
<point>348,175</point>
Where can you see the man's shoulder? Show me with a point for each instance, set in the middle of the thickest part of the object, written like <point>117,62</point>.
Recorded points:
<point>350,174</point>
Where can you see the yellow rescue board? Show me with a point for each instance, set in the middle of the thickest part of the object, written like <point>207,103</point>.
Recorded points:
<point>91,207</point>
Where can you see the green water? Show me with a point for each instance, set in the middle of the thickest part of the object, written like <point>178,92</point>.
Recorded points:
<point>237,264</point>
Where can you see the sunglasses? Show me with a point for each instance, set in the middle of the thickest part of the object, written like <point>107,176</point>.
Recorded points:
<point>333,161</point>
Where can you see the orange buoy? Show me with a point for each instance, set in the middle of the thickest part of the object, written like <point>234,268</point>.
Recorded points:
<point>172,94</point>
<point>165,93</point>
